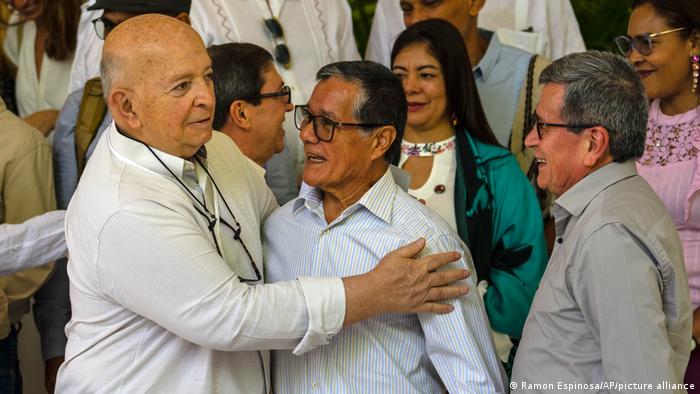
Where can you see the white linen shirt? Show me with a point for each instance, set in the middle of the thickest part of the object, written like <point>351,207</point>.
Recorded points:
<point>155,308</point>
<point>32,243</point>
<point>554,18</point>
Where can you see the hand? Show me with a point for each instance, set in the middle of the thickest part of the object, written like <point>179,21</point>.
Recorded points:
<point>43,121</point>
<point>402,283</point>
<point>50,373</point>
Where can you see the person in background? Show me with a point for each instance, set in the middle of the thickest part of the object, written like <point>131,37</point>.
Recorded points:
<point>613,305</point>
<point>26,190</point>
<point>251,99</point>
<point>663,44</point>
<point>42,49</point>
<point>459,169</point>
<point>351,214</point>
<point>555,20</point>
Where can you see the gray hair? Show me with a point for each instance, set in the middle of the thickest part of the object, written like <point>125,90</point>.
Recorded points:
<point>380,99</point>
<point>107,74</point>
<point>603,89</point>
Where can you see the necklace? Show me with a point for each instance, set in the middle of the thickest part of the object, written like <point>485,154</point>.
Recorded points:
<point>428,148</point>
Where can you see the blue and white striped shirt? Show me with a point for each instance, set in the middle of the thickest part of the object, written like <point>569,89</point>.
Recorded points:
<point>392,353</point>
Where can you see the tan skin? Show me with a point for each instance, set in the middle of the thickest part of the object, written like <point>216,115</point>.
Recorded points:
<point>428,118</point>
<point>461,13</point>
<point>665,72</point>
<point>142,109</point>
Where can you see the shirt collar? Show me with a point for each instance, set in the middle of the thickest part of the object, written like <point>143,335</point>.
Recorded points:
<point>378,199</point>
<point>134,152</point>
<point>493,52</point>
<point>576,199</point>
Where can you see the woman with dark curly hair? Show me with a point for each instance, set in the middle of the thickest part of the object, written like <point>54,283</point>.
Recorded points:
<point>40,42</point>
<point>663,44</point>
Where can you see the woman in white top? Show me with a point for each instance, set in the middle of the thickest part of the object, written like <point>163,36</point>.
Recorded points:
<point>41,45</point>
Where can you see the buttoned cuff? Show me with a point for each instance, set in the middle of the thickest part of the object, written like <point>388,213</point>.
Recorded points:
<point>325,302</point>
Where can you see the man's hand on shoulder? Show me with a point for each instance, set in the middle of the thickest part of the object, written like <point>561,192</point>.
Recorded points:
<point>403,283</point>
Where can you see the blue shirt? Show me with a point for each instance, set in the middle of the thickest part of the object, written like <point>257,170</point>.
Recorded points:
<point>397,353</point>
<point>499,77</point>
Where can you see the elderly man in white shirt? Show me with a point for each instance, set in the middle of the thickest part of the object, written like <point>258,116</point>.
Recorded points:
<point>165,261</point>
<point>304,35</point>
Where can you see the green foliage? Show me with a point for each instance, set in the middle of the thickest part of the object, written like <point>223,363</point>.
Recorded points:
<point>362,14</point>
<point>601,21</point>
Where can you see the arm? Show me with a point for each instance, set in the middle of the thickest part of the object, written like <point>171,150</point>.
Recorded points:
<point>32,243</point>
<point>65,164</point>
<point>517,228</point>
<point>459,344</point>
<point>617,285</point>
<point>170,259</point>
<point>386,25</point>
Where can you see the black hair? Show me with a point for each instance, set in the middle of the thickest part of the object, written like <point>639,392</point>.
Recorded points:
<point>445,43</point>
<point>238,73</point>
<point>380,100</point>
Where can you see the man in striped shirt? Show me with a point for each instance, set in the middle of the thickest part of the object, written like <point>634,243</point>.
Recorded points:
<point>349,214</point>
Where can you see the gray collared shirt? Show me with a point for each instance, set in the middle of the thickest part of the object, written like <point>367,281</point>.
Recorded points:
<point>613,305</point>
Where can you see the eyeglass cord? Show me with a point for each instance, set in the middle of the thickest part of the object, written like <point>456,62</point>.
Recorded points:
<point>212,218</point>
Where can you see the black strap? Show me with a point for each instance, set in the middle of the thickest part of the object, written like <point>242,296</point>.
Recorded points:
<point>529,81</point>
<point>479,225</point>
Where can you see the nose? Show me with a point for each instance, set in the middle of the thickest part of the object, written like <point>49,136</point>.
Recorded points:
<point>204,94</point>
<point>411,84</point>
<point>635,57</point>
<point>307,135</point>
<point>532,139</point>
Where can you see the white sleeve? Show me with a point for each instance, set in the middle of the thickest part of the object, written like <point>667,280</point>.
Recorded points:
<point>200,298</point>
<point>88,51</point>
<point>386,26</point>
<point>35,242</point>
<point>347,45</point>
<point>11,44</point>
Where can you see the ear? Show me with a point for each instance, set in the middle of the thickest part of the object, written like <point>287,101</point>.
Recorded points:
<point>239,114</point>
<point>122,108</point>
<point>382,141</point>
<point>183,17</point>
<point>598,146</point>
<point>475,7</point>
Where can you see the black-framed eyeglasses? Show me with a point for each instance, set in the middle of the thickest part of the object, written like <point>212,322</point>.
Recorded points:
<point>103,26</point>
<point>282,55</point>
<point>286,92</point>
<point>641,43</point>
<point>539,125</point>
<point>324,127</point>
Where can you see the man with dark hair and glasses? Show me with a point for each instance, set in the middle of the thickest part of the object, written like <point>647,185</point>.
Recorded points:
<point>351,212</point>
<point>613,306</point>
<point>251,99</point>
<point>164,238</point>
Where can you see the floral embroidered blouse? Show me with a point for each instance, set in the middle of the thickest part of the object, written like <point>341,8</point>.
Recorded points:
<point>671,166</point>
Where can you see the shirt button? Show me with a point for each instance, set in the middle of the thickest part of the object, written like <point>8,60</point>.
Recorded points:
<point>315,386</point>
<point>325,232</point>
<point>560,240</point>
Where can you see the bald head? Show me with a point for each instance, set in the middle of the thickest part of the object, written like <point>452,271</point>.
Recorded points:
<point>156,75</point>
<point>139,43</point>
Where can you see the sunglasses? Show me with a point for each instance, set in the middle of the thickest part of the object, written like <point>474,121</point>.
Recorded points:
<point>282,55</point>
<point>641,43</point>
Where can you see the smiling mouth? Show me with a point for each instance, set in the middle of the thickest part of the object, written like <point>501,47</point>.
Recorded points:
<point>413,107</point>
<point>311,158</point>
<point>644,73</point>
<point>541,161</point>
